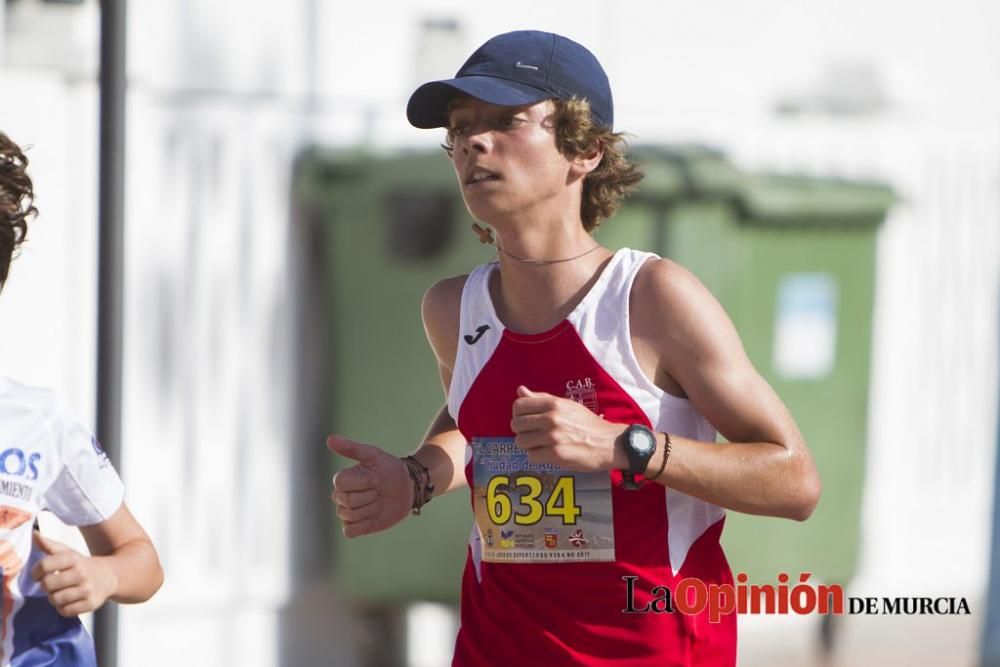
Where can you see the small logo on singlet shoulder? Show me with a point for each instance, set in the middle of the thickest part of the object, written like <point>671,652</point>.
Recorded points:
<point>583,392</point>
<point>102,457</point>
<point>480,330</point>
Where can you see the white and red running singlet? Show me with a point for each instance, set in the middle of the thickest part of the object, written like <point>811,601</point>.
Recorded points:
<point>543,581</point>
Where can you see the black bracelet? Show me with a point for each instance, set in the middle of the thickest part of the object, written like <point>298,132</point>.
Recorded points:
<point>423,489</point>
<point>666,455</point>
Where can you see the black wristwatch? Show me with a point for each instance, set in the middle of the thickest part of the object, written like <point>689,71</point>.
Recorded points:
<point>640,445</point>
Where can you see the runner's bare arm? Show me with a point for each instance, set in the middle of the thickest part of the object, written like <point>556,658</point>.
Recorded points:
<point>378,492</point>
<point>766,467</point>
<point>123,566</point>
<point>443,448</point>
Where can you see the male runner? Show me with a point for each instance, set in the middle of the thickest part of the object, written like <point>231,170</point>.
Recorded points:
<point>584,391</point>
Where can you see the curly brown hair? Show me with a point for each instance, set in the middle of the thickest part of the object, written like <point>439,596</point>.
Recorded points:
<point>616,177</point>
<point>576,133</point>
<point>16,202</point>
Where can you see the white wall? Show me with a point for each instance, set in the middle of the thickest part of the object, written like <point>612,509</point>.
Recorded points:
<point>48,305</point>
<point>217,112</point>
<point>681,68</point>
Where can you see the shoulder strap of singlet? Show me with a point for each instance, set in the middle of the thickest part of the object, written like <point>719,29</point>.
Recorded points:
<point>479,334</point>
<point>606,307</point>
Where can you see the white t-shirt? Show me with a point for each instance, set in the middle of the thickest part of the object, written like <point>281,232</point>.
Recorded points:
<point>48,461</point>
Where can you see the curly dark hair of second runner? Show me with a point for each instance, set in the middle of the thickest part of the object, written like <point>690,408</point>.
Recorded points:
<point>16,202</point>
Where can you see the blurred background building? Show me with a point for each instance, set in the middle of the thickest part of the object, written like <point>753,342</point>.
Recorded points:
<point>225,334</point>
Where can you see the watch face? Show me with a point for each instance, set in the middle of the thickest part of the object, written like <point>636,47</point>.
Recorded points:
<point>643,441</point>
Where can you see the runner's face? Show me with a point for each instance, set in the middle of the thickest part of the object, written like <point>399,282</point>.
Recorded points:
<point>506,159</point>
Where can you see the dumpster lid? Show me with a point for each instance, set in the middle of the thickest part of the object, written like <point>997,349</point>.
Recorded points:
<point>687,172</point>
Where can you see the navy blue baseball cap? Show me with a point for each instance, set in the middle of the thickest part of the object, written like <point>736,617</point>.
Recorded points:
<point>516,68</point>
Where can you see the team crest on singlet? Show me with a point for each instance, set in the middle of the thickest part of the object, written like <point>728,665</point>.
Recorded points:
<point>583,392</point>
<point>541,512</point>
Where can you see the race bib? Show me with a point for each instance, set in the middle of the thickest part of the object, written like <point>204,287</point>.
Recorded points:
<point>536,513</point>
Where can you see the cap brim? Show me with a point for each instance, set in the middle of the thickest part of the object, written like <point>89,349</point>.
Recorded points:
<point>428,104</point>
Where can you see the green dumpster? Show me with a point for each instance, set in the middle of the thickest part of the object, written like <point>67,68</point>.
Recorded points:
<point>790,258</point>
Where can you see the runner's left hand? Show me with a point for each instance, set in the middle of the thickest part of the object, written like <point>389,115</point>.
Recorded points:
<point>563,432</point>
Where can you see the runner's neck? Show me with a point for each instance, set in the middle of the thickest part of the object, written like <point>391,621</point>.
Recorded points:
<point>532,299</point>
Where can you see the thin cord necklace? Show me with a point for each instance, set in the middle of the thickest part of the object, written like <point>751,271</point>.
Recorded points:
<point>486,236</point>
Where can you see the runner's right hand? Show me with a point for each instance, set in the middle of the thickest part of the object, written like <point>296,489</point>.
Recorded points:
<point>373,495</point>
